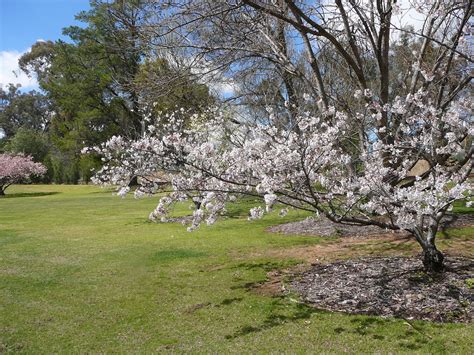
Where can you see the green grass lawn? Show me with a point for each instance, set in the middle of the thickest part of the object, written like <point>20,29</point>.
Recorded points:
<point>84,271</point>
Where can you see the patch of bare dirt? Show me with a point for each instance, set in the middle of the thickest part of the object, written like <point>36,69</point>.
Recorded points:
<point>392,287</point>
<point>324,227</point>
<point>348,247</point>
<point>273,287</point>
<point>354,247</point>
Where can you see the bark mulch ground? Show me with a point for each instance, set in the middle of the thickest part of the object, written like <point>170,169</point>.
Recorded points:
<point>324,227</point>
<point>391,287</point>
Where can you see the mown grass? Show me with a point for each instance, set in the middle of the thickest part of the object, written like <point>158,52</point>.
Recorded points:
<point>84,271</point>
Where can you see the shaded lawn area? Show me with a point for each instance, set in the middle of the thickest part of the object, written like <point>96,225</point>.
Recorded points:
<point>84,271</point>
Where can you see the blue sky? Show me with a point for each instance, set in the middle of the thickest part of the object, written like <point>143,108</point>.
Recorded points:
<point>23,22</point>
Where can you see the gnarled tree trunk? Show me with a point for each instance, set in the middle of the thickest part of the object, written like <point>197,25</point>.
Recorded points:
<point>432,258</point>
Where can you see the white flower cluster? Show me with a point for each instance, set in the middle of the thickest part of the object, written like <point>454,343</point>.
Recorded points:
<point>316,168</point>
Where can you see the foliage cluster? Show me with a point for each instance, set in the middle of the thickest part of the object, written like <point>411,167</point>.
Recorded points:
<point>99,83</point>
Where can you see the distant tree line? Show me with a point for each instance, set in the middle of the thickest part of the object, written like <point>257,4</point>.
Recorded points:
<point>94,86</point>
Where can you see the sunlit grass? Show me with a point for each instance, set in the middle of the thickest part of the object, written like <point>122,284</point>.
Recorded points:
<point>84,271</point>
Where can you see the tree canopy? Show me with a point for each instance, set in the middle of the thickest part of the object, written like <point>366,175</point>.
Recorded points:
<point>98,84</point>
<point>341,103</point>
<point>17,168</point>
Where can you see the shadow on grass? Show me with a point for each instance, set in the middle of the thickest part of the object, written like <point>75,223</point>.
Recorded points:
<point>105,191</point>
<point>225,302</point>
<point>267,265</point>
<point>414,338</point>
<point>29,194</point>
<point>229,301</point>
<point>403,244</point>
<point>139,222</point>
<point>237,211</point>
<point>282,316</point>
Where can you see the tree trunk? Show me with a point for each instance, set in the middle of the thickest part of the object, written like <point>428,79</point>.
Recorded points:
<point>432,258</point>
<point>2,191</point>
<point>133,182</point>
<point>197,204</point>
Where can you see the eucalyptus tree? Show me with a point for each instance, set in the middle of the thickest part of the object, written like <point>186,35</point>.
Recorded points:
<point>30,110</point>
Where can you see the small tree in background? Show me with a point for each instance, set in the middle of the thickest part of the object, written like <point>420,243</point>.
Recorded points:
<point>17,168</point>
<point>29,142</point>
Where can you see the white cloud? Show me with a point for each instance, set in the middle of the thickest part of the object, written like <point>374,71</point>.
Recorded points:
<point>408,15</point>
<point>207,73</point>
<point>225,87</point>
<point>405,13</point>
<point>11,73</point>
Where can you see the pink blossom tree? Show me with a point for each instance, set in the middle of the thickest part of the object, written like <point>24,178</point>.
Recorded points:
<point>15,169</point>
<point>350,157</point>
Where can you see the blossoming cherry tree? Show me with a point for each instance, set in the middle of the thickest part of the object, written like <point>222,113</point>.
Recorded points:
<point>15,169</point>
